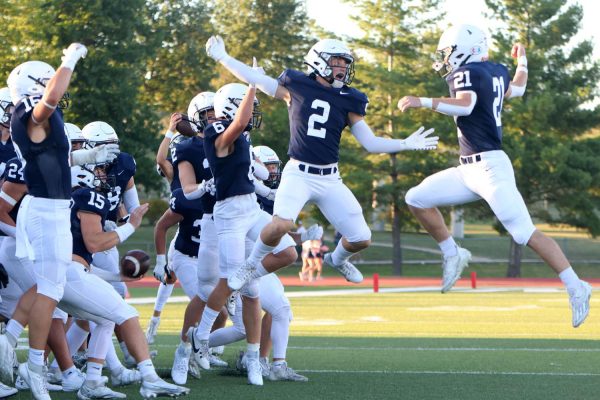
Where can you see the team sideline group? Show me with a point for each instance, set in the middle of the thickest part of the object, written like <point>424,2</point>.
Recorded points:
<point>68,198</point>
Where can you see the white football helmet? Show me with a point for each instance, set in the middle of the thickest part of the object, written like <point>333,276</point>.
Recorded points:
<point>5,105</point>
<point>267,156</point>
<point>228,99</point>
<point>99,132</point>
<point>318,58</point>
<point>200,104</point>
<point>82,176</point>
<point>459,45</point>
<point>29,79</point>
<point>74,133</point>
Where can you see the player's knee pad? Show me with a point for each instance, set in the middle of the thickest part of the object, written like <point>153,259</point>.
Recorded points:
<point>522,233</point>
<point>205,290</point>
<point>518,223</point>
<point>413,198</point>
<point>283,313</point>
<point>125,313</point>
<point>361,234</point>
<point>251,289</point>
<point>60,314</point>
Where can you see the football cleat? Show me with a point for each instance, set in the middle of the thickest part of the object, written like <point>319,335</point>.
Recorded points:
<point>216,361</point>
<point>240,362</point>
<point>453,268</point>
<point>255,376</point>
<point>125,377</point>
<point>34,381</point>
<point>179,371</point>
<point>152,329</point>
<point>80,359</point>
<point>264,366</point>
<point>579,298</point>
<point>350,272</point>
<point>194,369</point>
<point>7,356</point>
<point>230,304</point>
<point>242,276</point>
<point>219,350</point>
<point>54,376</point>
<point>6,391</point>
<point>200,350</point>
<point>73,381</point>
<point>160,388</point>
<point>97,390</point>
<point>281,372</point>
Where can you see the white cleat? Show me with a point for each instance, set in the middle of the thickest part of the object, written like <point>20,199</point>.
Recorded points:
<point>580,302</point>
<point>216,361</point>
<point>281,372</point>
<point>255,376</point>
<point>453,268</point>
<point>194,369</point>
<point>7,356</point>
<point>181,362</point>
<point>160,388</point>
<point>350,272</point>
<point>73,381</point>
<point>125,377</point>
<point>54,376</point>
<point>265,366</point>
<point>230,304</point>
<point>200,350</point>
<point>240,362</point>
<point>35,381</point>
<point>152,329</point>
<point>129,361</point>
<point>97,390</point>
<point>219,350</point>
<point>6,391</point>
<point>242,276</point>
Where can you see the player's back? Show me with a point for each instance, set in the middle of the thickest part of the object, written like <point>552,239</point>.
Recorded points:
<point>188,237</point>
<point>318,114</point>
<point>482,129</point>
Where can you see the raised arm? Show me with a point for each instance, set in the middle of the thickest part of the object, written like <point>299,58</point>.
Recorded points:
<point>418,140</point>
<point>215,48</point>
<point>225,141</point>
<point>519,82</point>
<point>163,150</point>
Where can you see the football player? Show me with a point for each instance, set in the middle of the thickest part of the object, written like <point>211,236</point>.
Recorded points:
<point>37,129</point>
<point>478,89</point>
<point>75,135</point>
<point>320,104</point>
<point>7,150</point>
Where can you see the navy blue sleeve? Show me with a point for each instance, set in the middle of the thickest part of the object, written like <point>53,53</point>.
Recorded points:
<point>463,79</point>
<point>284,79</point>
<point>14,171</point>
<point>89,200</point>
<point>127,164</point>
<point>358,101</point>
<point>184,152</point>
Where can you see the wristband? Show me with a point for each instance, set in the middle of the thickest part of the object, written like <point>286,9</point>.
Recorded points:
<point>50,106</point>
<point>522,60</point>
<point>426,102</point>
<point>124,231</point>
<point>521,68</point>
<point>169,134</point>
<point>69,63</point>
<point>161,259</point>
<point>7,198</point>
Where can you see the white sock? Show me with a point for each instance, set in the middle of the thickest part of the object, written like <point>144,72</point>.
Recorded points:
<point>163,294</point>
<point>569,278</point>
<point>112,361</point>
<point>123,347</point>
<point>259,251</point>
<point>206,323</point>
<point>260,271</point>
<point>253,348</point>
<point>340,255</point>
<point>75,337</point>
<point>13,331</point>
<point>93,371</point>
<point>36,357</point>
<point>280,332</point>
<point>147,370</point>
<point>448,247</point>
<point>65,374</point>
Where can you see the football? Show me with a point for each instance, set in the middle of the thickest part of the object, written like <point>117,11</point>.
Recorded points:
<point>185,126</point>
<point>135,263</point>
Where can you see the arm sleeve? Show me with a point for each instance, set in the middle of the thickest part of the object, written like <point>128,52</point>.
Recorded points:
<point>261,189</point>
<point>131,199</point>
<point>516,91</point>
<point>457,111</point>
<point>260,171</point>
<point>374,144</point>
<point>265,83</point>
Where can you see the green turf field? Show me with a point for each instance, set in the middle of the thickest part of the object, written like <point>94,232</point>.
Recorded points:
<point>462,345</point>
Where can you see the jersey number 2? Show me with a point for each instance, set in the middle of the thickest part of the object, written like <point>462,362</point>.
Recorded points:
<point>320,118</point>
<point>498,84</point>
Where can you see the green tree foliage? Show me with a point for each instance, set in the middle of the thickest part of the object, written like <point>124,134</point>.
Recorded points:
<point>395,49</point>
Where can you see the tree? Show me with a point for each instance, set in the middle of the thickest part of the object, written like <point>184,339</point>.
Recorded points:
<point>398,36</point>
<point>545,134</point>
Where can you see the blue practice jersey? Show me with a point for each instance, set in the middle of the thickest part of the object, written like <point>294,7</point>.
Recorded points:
<point>482,129</point>
<point>265,204</point>
<point>86,200</point>
<point>188,236</point>
<point>14,173</point>
<point>123,169</point>
<point>318,115</point>
<point>47,170</point>
<point>192,151</point>
<point>232,172</point>
<point>7,151</point>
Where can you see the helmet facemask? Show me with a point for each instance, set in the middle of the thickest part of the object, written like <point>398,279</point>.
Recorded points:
<point>326,71</point>
<point>65,100</point>
<point>201,119</point>
<point>443,66</point>
<point>230,110</point>
<point>5,113</point>
<point>274,168</point>
<point>104,181</point>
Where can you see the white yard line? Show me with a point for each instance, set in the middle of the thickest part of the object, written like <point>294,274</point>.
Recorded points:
<point>508,373</point>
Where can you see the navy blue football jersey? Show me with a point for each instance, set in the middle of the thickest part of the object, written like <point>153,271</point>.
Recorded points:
<point>232,173</point>
<point>47,169</point>
<point>14,173</point>
<point>318,115</point>
<point>86,200</point>
<point>188,236</point>
<point>123,169</point>
<point>192,151</point>
<point>482,129</point>
<point>7,151</point>
<point>265,204</point>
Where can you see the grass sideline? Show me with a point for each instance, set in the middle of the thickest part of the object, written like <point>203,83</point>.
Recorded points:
<point>505,345</point>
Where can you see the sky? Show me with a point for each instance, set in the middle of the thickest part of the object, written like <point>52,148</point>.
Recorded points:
<point>457,11</point>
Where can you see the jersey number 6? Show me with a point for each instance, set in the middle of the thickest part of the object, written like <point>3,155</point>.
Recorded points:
<point>320,118</point>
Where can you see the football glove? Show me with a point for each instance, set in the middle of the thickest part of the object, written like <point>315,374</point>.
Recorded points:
<point>72,54</point>
<point>314,232</point>
<point>160,268</point>
<point>420,140</point>
<point>106,153</point>
<point>109,225</point>
<point>215,48</point>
